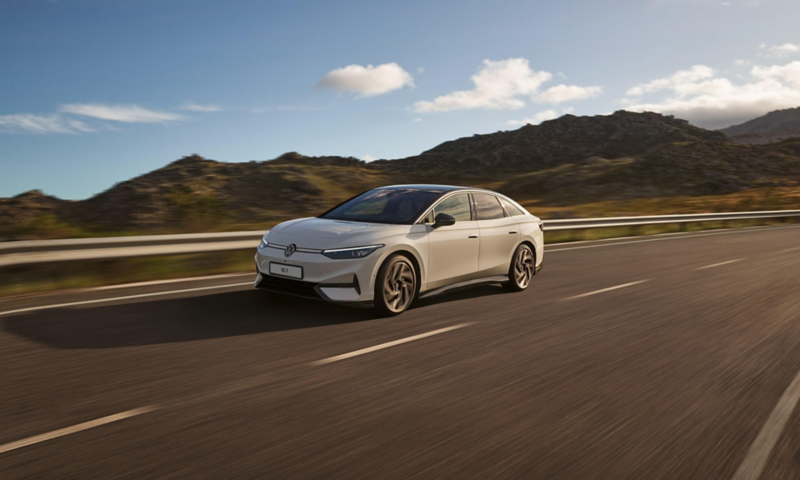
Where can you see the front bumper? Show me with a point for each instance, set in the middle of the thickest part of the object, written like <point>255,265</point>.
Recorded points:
<point>339,281</point>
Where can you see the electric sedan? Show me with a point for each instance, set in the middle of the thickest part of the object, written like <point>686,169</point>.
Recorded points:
<point>389,246</point>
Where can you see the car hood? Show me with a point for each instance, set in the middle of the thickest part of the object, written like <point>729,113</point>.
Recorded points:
<point>322,233</point>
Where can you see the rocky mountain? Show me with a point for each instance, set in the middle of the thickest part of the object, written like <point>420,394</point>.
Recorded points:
<point>567,161</point>
<point>773,127</point>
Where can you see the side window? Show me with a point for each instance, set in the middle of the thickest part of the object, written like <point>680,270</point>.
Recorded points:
<point>456,205</point>
<point>510,208</point>
<point>488,206</point>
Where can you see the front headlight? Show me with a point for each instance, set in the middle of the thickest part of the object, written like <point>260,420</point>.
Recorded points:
<point>263,243</point>
<point>355,252</point>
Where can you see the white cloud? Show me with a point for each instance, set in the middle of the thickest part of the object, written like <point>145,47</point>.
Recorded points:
<point>679,78</point>
<point>120,113</point>
<point>499,86</point>
<point>714,102</point>
<point>566,93</point>
<point>740,62</point>
<point>193,107</point>
<point>367,81</point>
<point>779,50</point>
<point>417,120</point>
<point>368,158</point>
<point>536,119</point>
<point>789,73</point>
<point>31,123</point>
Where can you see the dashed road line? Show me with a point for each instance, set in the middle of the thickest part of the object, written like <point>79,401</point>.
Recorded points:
<point>753,464</point>
<point>719,264</point>
<point>356,353</point>
<point>74,429</point>
<point>606,289</point>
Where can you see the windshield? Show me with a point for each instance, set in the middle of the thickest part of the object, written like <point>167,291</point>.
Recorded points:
<point>385,205</point>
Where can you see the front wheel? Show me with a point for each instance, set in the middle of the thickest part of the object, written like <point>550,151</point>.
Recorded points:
<point>522,269</point>
<point>395,286</point>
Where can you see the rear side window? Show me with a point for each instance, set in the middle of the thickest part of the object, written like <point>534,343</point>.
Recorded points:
<point>488,206</point>
<point>512,210</point>
<point>456,205</point>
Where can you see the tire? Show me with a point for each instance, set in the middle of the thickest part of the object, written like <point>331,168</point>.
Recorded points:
<point>522,269</point>
<point>395,286</point>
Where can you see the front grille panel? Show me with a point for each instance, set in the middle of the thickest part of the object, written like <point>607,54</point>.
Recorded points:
<point>288,286</point>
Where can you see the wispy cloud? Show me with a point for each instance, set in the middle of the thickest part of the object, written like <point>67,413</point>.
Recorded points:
<point>193,107</point>
<point>120,113</point>
<point>706,99</point>
<point>536,119</point>
<point>503,85</point>
<point>97,116</point>
<point>778,50</point>
<point>367,81</point>
<point>368,158</point>
<point>32,123</point>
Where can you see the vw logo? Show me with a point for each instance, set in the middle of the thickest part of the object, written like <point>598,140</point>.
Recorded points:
<point>290,250</point>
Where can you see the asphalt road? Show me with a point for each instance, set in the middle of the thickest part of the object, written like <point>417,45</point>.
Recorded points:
<point>687,370</point>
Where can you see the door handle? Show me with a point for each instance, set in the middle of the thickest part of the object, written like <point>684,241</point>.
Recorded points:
<point>473,236</point>
<point>512,232</point>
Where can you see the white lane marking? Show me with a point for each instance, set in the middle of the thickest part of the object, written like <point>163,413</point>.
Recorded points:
<point>666,239</point>
<point>127,297</point>
<point>753,463</point>
<point>606,289</point>
<point>163,282</point>
<point>719,264</point>
<point>388,344</point>
<point>75,428</point>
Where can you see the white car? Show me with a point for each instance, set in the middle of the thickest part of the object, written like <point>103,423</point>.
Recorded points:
<point>389,246</point>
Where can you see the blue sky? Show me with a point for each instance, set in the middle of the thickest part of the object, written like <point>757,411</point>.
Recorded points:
<point>96,92</point>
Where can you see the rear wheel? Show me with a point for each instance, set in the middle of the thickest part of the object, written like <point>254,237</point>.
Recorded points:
<point>395,286</point>
<point>522,269</point>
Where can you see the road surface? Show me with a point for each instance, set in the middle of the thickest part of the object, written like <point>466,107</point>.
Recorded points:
<point>672,356</point>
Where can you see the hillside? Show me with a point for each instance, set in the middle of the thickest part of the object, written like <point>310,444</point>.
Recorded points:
<point>564,162</point>
<point>772,127</point>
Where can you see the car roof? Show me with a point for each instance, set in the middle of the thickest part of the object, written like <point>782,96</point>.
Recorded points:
<point>426,187</point>
<point>435,188</point>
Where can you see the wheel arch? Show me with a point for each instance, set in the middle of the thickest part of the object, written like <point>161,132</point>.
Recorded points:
<point>533,248</point>
<point>413,256</point>
<point>414,261</point>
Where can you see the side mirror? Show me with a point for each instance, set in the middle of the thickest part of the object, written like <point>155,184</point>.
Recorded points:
<point>443,220</point>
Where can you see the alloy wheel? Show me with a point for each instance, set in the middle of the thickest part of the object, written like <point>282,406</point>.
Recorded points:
<point>399,286</point>
<point>523,267</point>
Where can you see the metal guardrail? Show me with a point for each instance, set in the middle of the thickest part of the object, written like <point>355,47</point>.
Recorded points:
<point>44,251</point>
<point>581,223</point>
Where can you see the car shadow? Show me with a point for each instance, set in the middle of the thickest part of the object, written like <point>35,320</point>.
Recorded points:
<point>177,320</point>
<point>188,319</point>
<point>463,293</point>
